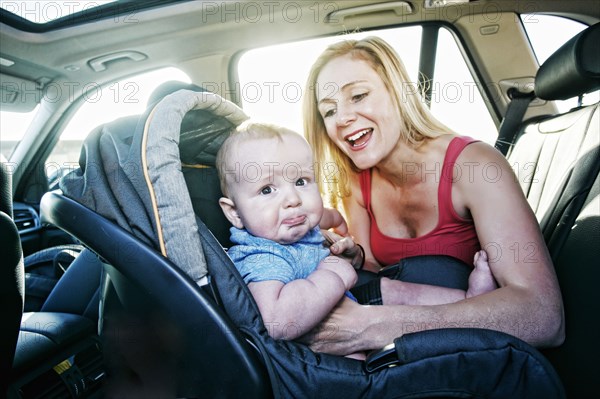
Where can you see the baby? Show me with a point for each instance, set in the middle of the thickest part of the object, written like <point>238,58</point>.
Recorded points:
<point>273,202</point>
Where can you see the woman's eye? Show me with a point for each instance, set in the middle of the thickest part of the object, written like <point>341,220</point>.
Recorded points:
<point>328,113</point>
<point>301,182</point>
<point>359,97</point>
<point>266,190</point>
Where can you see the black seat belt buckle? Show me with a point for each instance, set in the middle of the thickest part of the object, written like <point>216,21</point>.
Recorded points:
<point>382,358</point>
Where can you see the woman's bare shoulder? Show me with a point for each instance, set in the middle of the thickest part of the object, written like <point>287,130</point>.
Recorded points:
<point>480,151</point>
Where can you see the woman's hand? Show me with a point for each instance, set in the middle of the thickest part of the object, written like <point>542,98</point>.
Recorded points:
<point>342,332</point>
<point>333,219</point>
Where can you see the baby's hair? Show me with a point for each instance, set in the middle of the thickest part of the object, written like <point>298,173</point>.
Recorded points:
<point>245,132</point>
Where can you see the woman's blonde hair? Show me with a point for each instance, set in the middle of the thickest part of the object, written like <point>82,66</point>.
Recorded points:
<point>417,122</point>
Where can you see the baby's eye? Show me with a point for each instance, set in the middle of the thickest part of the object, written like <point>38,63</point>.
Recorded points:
<point>302,181</point>
<point>266,190</point>
<point>358,97</point>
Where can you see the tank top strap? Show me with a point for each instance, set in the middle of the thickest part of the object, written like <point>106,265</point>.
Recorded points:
<point>364,179</point>
<point>448,174</point>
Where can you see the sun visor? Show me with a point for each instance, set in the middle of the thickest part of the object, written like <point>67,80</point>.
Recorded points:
<point>19,95</point>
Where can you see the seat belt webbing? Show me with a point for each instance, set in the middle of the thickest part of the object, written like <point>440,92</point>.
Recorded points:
<point>514,115</point>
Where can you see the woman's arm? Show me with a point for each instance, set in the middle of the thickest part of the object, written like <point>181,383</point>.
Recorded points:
<point>528,303</point>
<point>290,310</point>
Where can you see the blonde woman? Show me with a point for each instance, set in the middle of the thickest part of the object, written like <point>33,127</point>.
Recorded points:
<point>409,186</point>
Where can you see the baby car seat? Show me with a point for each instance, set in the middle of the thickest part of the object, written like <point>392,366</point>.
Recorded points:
<point>178,321</point>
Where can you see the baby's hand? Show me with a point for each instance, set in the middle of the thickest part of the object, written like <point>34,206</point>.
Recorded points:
<point>342,268</point>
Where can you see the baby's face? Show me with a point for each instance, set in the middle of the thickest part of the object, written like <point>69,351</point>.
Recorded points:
<point>275,193</point>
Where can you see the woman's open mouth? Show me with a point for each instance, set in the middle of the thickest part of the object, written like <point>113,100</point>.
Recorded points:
<point>358,139</point>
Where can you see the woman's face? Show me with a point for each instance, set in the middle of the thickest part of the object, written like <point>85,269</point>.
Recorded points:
<point>357,110</point>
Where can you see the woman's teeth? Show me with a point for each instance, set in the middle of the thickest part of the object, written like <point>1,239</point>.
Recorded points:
<point>355,137</point>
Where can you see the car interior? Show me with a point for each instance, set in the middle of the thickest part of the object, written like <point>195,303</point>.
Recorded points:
<point>107,292</point>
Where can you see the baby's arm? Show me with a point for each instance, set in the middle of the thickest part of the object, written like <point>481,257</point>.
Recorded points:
<point>291,310</point>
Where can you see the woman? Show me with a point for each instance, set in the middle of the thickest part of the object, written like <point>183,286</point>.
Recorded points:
<point>387,163</point>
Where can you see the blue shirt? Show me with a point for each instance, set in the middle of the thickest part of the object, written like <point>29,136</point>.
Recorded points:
<point>259,259</point>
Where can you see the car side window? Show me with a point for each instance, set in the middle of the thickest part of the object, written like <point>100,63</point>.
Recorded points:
<point>102,105</point>
<point>456,99</point>
<point>13,126</point>
<point>272,90</point>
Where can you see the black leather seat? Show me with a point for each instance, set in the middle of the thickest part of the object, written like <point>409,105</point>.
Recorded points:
<point>158,327</point>
<point>557,160</point>
<point>33,342</point>
<point>12,284</point>
<point>78,290</point>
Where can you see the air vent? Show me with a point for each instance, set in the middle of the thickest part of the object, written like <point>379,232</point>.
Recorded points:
<point>90,363</point>
<point>46,386</point>
<point>25,218</point>
<point>78,376</point>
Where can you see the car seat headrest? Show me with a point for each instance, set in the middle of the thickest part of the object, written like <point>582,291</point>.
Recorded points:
<point>573,69</point>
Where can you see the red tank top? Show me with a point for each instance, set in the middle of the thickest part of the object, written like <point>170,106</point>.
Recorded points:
<point>453,235</point>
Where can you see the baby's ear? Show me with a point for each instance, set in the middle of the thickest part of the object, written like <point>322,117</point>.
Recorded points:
<point>230,212</point>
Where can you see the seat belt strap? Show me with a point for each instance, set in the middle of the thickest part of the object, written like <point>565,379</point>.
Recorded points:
<point>514,115</point>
